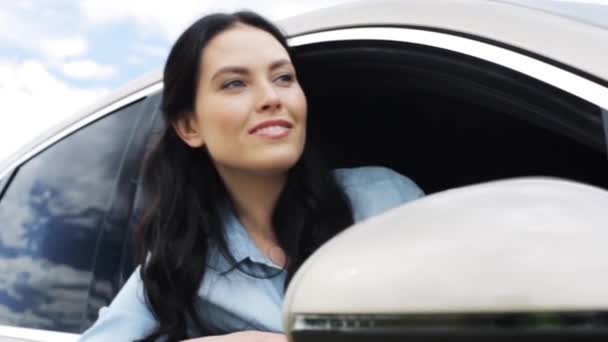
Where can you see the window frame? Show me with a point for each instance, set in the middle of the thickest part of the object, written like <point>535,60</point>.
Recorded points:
<point>553,75</point>
<point>5,181</point>
<point>565,80</point>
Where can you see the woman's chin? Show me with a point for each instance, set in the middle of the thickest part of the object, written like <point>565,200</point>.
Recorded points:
<point>276,166</point>
<point>274,160</point>
<point>276,163</point>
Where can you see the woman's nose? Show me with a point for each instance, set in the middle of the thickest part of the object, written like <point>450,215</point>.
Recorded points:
<point>269,98</point>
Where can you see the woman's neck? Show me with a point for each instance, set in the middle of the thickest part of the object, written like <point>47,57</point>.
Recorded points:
<point>254,197</point>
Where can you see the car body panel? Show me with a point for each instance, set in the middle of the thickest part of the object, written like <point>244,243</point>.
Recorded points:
<point>550,74</point>
<point>10,334</point>
<point>577,44</point>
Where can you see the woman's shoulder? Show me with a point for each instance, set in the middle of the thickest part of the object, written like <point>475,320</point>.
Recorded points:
<point>374,177</point>
<point>374,189</point>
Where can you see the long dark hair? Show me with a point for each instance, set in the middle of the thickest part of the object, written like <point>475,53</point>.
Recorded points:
<point>187,193</point>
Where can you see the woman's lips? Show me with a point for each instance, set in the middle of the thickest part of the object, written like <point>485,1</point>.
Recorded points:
<point>273,129</point>
<point>273,132</point>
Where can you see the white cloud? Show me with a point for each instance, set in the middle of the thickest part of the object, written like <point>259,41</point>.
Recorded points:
<point>135,60</point>
<point>33,100</point>
<point>25,4</point>
<point>151,50</point>
<point>169,20</point>
<point>28,27</point>
<point>142,53</point>
<point>65,47</point>
<point>164,18</point>
<point>10,29</point>
<point>87,69</point>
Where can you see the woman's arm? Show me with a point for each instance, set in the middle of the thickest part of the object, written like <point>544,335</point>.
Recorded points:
<point>373,190</point>
<point>128,316</point>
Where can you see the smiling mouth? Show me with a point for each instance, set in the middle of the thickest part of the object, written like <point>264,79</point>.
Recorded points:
<point>272,129</point>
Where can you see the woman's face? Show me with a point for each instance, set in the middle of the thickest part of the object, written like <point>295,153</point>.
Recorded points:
<point>250,112</point>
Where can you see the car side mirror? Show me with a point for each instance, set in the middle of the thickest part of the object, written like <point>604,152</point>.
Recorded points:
<point>512,260</point>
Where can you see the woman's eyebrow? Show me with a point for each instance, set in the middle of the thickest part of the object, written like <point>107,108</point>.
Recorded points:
<point>279,63</point>
<point>230,69</point>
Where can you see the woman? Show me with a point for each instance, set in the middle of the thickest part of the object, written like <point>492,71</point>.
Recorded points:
<point>239,198</point>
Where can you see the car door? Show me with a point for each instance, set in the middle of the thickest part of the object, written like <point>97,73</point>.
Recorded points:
<point>449,109</point>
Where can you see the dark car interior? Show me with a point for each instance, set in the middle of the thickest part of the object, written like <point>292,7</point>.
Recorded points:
<point>445,119</point>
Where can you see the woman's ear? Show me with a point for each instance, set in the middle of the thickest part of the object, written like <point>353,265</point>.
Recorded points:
<point>188,130</point>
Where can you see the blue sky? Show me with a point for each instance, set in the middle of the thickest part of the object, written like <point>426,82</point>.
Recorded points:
<point>59,56</point>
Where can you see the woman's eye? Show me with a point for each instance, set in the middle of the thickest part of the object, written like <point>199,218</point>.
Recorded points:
<point>233,84</point>
<point>285,79</point>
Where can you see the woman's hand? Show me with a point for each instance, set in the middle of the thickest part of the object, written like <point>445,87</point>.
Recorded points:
<point>243,336</point>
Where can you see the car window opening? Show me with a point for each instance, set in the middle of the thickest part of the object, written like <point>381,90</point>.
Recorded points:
<point>446,119</point>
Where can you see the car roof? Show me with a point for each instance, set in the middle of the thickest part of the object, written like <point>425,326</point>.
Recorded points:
<point>569,40</point>
<point>590,11</point>
<point>581,45</point>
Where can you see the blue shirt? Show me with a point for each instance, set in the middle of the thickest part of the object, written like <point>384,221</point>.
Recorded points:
<point>234,299</point>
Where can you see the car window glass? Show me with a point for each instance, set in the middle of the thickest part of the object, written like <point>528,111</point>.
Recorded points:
<point>50,217</point>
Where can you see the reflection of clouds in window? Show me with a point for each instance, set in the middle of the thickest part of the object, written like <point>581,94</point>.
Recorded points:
<point>46,294</point>
<point>83,175</point>
<point>58,194</point>
<point>50,218</point>
<point>95,171</point>
<point>47,234</point>
<point>68,185</point>
<point>9,317</point>
<point>12,213</point>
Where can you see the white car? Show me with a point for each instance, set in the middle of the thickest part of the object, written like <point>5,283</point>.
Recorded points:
<point>450,93</point>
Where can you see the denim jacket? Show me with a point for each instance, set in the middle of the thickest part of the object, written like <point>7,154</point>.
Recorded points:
<point>236,298</point>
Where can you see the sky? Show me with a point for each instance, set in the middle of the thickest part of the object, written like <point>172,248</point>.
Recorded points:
<point>58,56</point>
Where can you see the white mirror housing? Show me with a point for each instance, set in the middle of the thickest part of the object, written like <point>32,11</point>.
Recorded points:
<point>532,248</point>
